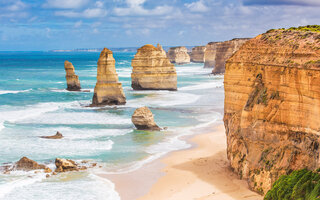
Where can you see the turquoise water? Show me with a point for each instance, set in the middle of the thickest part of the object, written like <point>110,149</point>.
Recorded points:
<point>34,102</point>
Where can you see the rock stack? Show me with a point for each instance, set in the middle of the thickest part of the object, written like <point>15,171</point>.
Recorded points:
<point>152,70</point>
<point>217,53</point>
<point>108,90</point>
<point>73,83</point>
<point>142,118</point>
<point>197,54</point>
<point>178,55</point>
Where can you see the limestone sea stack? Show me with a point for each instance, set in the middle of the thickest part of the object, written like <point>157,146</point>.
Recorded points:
<point>178,55</point>
<point>152,70</point>
<point>142,118</point>
<point>73,83</point>
<point>218,52</point>
<point>197,54</point>
<point>272,105</point>
<point>108,90</point>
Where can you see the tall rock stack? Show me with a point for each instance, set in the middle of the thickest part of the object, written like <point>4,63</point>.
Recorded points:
<point>197,54</point>
<point>108,90</point>
<point>178,55</point>
<point>73,83</point>
<point>217,53</point>
<point>152,70</point>
<point>272,105</point>
<point>210,54</point>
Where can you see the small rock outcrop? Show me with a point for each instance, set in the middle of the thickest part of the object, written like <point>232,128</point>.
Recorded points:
<point>271,107</point>
<point>108,90</point>
<point>152,70</point>
<point>27,164</point>
<point>178,55</point>
<point>197,54</point>
<point>142,118</point>
<point>217,53</point>
<point>65,165</point>
<point>58,135</point>
<point>73,83</point>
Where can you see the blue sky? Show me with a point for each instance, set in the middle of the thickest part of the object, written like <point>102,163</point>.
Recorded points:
<point>70,24</point>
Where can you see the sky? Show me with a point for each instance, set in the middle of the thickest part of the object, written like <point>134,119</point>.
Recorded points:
<point>32,25</point>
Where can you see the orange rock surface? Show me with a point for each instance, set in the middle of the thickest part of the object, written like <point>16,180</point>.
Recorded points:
<point>272,106</point>
<point>152,70</point>
<point>108,90</point>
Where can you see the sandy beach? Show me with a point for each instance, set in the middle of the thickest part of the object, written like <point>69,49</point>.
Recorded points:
<point>201,172</point>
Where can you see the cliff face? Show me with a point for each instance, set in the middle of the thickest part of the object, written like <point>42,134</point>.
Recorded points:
<point>108,90</point>
<point>178,55</point>
<point>73,83</point>
<point>197,54</point>
<point>218,52</point>
<point>152,70</point>
<point>272,106</point>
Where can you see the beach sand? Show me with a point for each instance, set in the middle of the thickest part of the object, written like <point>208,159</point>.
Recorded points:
<point>201,173</point>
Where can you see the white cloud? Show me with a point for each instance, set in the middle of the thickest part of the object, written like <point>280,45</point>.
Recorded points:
<point>197,6</point>
<point>135,7</point>
<point>78,24</point>
<point>17,6</point>
<point>95,12</point>
<point>65,4</point>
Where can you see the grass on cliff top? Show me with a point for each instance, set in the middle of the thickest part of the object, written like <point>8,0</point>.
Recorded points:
<point>313,28</point>
<point>299,185</point>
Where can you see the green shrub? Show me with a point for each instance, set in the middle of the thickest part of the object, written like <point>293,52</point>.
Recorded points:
<point>299,185</point>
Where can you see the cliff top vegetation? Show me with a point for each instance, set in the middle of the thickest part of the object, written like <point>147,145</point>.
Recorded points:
<point>312,28</point>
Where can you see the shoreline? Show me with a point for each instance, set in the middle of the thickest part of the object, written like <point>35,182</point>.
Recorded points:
<point>199,172</point>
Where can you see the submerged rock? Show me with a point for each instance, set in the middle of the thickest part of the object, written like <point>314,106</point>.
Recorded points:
<point>152,70</point>
<point>27,164</point>
<point>178,55</point>
<point>65,165</point>
<point>58,135</point>
<point>108,90</point>
<point>142,118</point>
<point>73,83</point>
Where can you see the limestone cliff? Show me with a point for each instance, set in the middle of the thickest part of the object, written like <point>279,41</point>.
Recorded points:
<point>197,54</point>
<point>108,90</point>
<point>178,55</point>
<point>272,106</point>
<point>218,52</point>
<point>73,83</point>
<point>152,70</point>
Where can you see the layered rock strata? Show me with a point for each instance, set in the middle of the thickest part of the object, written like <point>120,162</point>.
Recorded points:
<point>143,119</point>
<point>272,106</point>
<point>108,90</point>
<point>178,55</point>
<point>197,54</point>
<point>73,83</point>
<point>152,70</point>
<point>218,52</point>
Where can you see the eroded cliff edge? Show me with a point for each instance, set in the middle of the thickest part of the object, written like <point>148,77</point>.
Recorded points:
<point>272,106</point>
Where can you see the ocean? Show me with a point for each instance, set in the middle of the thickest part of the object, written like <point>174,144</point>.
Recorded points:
<point>34,102</point>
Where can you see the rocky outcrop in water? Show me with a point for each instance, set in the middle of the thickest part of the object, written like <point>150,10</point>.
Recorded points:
<point>108,90</point>
<point>197,54</point>
<point>152,70</point>
<point>58,135</point>
<point>178,55</point>
<point>272,106</point>
<point>142,118</point>
<point>64,165</point>
<point>73,83</point>
<point>217,53</point>
<point>27,164</point>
